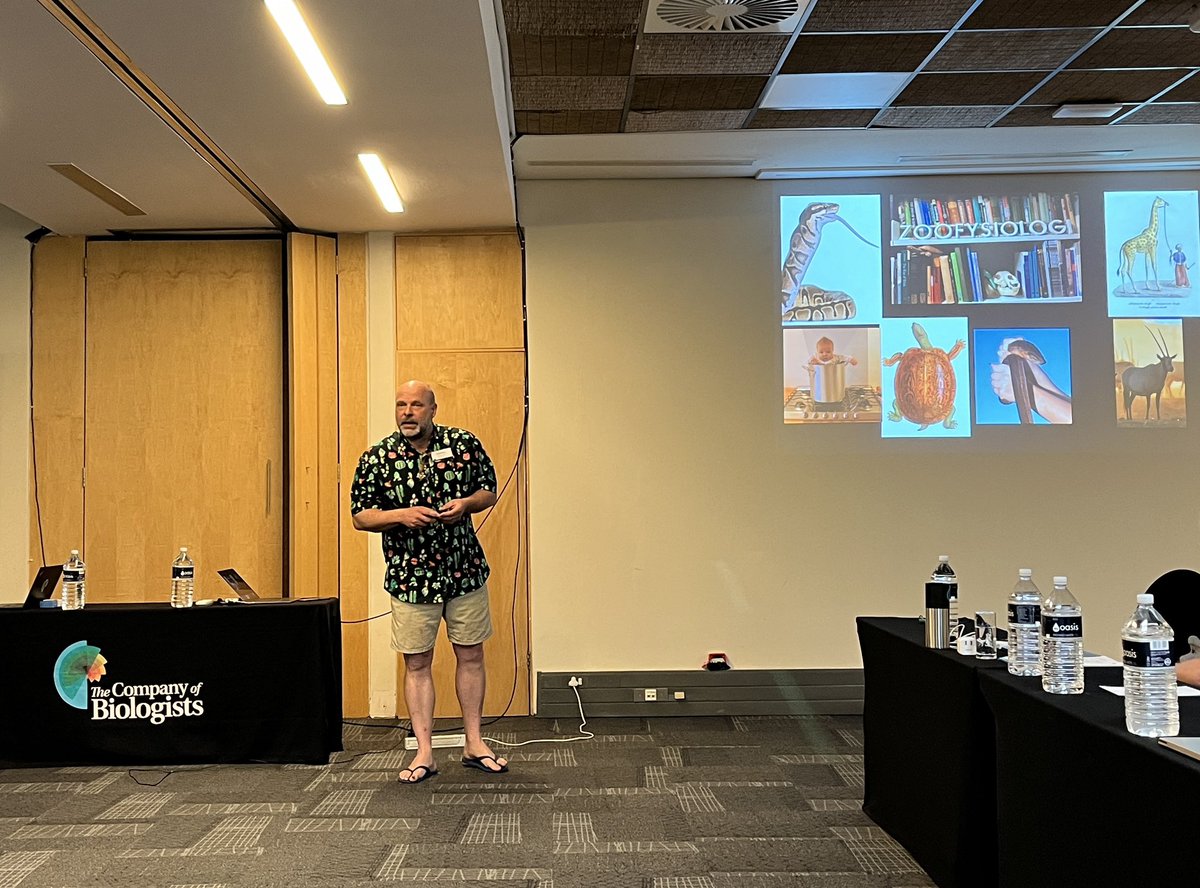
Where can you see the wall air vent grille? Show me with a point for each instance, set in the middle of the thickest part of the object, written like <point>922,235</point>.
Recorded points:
<point>723,16</point>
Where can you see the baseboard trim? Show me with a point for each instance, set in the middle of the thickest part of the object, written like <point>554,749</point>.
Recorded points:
<point>733,692</point>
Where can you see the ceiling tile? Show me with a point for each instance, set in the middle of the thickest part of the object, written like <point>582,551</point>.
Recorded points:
<point>1103,86</point>
<point>840,118</point>
<point>819,53</point>
<point>709,53</point>
<point>698,93</point>
<point>534,56</point>
<point>582,18</point>
<point>1162,12</point>
<point>968,89</point>
<point>1165,113</point>
<point>568,93</point>
<point>1009,50</point>
<point>797,91</point>
<point>683,121</point>
<point>973,115</point>
<point>559,123</point>
<point>873,15</point>
<point>1043,115</point>
<point>1058,14</point>
<point>1143,48</point>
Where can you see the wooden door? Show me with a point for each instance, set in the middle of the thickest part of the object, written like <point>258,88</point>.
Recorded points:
<point>458,327</point>
<point>184,416</point>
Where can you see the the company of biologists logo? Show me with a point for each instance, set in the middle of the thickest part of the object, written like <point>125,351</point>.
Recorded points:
<point>79,669</point>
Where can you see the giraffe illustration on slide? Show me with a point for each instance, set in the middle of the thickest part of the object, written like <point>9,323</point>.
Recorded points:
<point>1146,242</point>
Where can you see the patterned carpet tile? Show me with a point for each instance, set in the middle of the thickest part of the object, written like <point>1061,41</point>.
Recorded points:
<point>650,803</point>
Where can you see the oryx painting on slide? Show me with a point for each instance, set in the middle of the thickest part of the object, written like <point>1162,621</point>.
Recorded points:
<point>1148,373</point>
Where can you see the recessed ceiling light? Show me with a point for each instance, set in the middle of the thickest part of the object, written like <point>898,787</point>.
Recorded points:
<point>291,22</point>
<point>382,180</point>
<point>1087,109</point>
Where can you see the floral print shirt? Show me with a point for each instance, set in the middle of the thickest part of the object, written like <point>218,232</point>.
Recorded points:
<point>426,565</point>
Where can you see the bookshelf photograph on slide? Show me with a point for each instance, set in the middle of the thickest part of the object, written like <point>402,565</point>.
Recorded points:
<point>987,248</point>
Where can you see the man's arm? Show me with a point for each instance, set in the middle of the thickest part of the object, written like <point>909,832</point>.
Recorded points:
<point>379,520</point>
<point>457,509</point>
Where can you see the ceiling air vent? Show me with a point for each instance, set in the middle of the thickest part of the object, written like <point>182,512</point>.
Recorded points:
<point>723,16</point>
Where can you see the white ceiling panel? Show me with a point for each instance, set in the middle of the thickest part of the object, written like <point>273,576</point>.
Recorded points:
<point>418,76</point>
<point>58,104</point>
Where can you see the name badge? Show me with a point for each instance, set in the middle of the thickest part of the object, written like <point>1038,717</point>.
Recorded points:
<point>444,453</point>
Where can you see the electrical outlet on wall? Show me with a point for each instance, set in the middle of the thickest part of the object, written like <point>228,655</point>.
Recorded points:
<point>650,695</point>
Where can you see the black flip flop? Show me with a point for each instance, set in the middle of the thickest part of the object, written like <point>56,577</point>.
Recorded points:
<point>429,772</point>
<point>477,762</point>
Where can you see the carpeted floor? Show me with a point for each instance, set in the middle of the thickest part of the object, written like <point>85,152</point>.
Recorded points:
<point>649,803</point>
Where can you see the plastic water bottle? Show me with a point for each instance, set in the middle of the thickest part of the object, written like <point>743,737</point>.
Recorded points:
<point>74,583</point>
<point>1025,626</point>
<point>1062,641</point>
<point>944,573</point>
<point>1151,694</point>
<point>183,579</point>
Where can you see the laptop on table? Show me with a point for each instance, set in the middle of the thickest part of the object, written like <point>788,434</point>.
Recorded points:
<point>43,585</point>
<point>238,584</point>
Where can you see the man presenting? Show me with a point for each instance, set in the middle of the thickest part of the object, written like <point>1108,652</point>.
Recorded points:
<point>418,487</point>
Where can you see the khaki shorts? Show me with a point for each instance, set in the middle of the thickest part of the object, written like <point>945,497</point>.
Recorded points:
<point>415,626</point>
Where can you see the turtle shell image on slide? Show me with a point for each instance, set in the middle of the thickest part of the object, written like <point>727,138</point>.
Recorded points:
<point>75,667</point>
<point>925,383</point>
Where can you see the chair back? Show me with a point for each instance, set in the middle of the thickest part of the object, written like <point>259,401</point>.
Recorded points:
<point>1177,597</point>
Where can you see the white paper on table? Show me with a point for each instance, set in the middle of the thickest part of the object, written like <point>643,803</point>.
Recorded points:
<point>1099,660</point>
<point>1184,690</point>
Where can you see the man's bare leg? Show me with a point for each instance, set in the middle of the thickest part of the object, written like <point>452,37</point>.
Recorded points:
<point>470,683</point>
<point>419,696</point>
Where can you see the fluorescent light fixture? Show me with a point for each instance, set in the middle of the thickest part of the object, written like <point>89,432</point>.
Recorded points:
<point>382,180</point>
<point>288,17</point>
<point>1087,109</point>
<point>821,91</point>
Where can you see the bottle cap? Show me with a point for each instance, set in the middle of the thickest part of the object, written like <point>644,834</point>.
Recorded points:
<point>943,558</point>
<point>1060,581</point>
<point>183,548</point>
<point>1025,573</point>
<point>74,551</point>
<point>1145,598</point>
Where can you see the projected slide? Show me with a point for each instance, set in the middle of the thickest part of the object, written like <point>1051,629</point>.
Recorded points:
<point>830,259</point>
<point>993,248</point>
<point>1148,371</point>
<point>831,374</point>
<point>1150,244</point>
<point>1022,376</point>
<point>926,378</point>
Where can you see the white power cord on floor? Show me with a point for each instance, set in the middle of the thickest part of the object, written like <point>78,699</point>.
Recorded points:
<point>583,734</point>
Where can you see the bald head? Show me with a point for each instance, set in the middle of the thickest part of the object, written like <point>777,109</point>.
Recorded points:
<point>416,406</point>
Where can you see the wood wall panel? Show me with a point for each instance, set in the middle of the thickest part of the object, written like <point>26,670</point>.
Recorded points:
<point>329,509</point>
<point>303,489</point>
<point>58,396</point>
<point>184,415</point>
<point>353,545</point>
<point>484,393</point>
<point>459,327</point>
<point>459,292</point>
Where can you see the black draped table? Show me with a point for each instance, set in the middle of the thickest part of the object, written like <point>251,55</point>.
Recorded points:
<point>150,684</point>
<point>1081,801</point>
<point>929,754</point>
<point>988,781</point>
